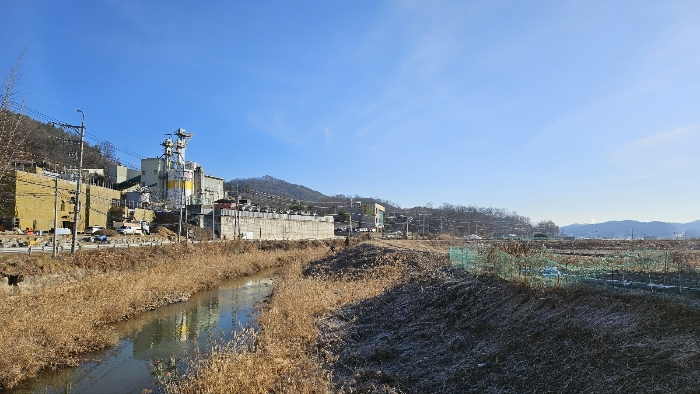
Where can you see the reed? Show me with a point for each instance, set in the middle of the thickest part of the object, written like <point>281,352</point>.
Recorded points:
<point>282,355</point>
<point>55,317</point>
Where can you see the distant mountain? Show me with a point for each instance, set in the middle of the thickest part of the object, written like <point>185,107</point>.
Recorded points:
<point>274,187</point>
<point>266,190</point>
<point>626,228</point>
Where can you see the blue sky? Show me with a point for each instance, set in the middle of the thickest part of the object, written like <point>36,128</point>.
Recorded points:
<point>577,112</point>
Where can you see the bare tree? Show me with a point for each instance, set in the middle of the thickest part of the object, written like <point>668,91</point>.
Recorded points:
<point>548,228</point>
<point>11,133</point>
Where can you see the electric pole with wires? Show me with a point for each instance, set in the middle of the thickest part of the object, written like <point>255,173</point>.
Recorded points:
<point>76,214</point>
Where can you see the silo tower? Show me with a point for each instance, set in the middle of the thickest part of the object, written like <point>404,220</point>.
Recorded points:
<point>180,178</point>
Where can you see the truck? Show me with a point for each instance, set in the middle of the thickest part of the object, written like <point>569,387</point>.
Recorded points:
<point>127,230</point>
<point>141,227</point>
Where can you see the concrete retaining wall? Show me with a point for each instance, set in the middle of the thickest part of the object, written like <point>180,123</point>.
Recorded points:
<point>273,226</point>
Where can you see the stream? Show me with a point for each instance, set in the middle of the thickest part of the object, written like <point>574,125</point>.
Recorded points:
<point>161,337</point>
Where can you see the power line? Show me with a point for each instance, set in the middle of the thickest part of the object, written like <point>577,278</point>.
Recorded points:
<point>125,151</point>
<point>36,114</point>
<point>21,108</point>
<point>45,98</point>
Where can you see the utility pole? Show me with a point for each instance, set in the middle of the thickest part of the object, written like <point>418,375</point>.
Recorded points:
<point>237,227</point>
<point>55,216</point>
<point>181,183</point>
<point>213,222</point>
<point>179,222</point>
<point>76,214</point>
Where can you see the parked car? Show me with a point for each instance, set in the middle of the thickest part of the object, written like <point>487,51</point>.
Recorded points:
<point>126,230</point>
<point>93,229</point>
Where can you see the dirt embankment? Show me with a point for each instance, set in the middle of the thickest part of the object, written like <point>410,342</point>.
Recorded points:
<point>440,330</point>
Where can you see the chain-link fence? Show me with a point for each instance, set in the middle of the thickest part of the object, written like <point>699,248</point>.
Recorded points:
<point>651,270</point>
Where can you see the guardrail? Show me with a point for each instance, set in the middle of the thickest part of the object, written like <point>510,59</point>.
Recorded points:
<point>92,246</point>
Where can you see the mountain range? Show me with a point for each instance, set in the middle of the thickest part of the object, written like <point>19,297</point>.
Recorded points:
<point>267,188</point>
<point>624,229</point>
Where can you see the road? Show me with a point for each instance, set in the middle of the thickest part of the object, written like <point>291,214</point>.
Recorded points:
<point>66,247</point>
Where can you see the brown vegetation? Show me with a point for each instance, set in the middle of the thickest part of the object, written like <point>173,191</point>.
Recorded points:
<point>283,355</point>
<point>65,305</point>
<point>374,319</point>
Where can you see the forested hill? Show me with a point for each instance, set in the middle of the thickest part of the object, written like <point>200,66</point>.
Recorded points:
<point>50,146</point>
<point>275,187</point>
<point>450,219</point>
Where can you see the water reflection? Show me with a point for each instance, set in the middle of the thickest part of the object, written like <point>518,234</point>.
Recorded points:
<point>159,338</point>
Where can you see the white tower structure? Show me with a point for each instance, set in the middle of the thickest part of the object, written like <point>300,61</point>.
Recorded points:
<point>180,176</point>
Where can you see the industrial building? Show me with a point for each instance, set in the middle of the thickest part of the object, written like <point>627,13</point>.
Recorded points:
<point>170,181</point>
<point>35,198</point>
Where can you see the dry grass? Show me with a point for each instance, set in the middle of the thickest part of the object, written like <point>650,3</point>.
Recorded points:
<point>282,356</point>
<point>376,320</point>
<point>485,335</point>
<point>66,311</point>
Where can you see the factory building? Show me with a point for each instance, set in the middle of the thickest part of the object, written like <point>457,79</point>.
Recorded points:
<point>207,188</point>
<point>33,199</point>
<point>119,174</point>
<point>173,182</point>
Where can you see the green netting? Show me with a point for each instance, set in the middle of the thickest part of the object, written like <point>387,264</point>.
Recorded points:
<point>652,270</point>
<point>462,257</point>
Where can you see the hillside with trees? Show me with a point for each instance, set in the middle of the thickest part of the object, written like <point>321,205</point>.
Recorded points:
<point>273,187</point>
<point>26,141</point>
<point>428,221</point>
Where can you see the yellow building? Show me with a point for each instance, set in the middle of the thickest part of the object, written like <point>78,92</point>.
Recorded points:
<point>28,200</point>
<point>100,201</point>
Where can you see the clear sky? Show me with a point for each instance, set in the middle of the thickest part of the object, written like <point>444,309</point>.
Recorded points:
<point>570,111</point>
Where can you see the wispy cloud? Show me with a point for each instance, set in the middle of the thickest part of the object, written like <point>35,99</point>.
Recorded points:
<point>327,134</point>
<point>667,136</point>
<point>671,149</point>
